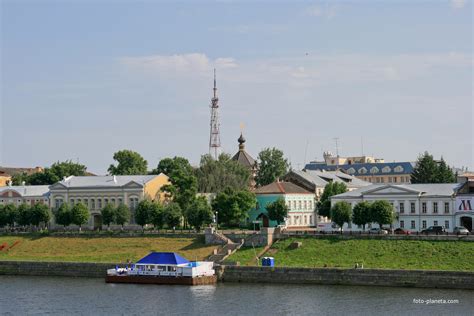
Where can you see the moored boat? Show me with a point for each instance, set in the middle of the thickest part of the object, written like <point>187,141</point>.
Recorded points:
<point>164,268</point>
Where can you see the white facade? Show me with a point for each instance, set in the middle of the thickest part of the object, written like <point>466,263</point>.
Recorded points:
<point>417,206</point>
<point>300,210</point>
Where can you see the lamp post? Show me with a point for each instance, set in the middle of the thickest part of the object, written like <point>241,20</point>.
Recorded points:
<point>217,221</point>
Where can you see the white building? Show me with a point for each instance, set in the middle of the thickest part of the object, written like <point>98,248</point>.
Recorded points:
<point>24,194</point>
<point>97,191</point>
<point>417,206</point>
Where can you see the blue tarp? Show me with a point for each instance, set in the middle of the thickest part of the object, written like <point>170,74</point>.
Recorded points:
<point>170,258</point>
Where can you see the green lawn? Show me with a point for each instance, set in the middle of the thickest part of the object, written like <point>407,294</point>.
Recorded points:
<point>100,249</point>
<point>385,254</point>
<point>245,256</point>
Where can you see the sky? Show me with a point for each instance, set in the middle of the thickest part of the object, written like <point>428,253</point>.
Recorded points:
<point>82,79</point>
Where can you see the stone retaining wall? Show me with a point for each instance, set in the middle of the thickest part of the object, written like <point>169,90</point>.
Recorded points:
<point>70,269</point>
<point>376,277</point>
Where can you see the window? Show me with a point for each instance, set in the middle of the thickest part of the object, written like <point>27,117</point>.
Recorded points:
<point>386,169</point>
<point>363,170</point>
<point>120,201</point>
<point>446,207</point>
<point>435,207</point>
<point>71,201</point>
<point>99,203</point>
<point>294,205</point>
<point>374,170</point>
<point>106,201</point>
<point>92,204</point>
<point>299,205</point>
<point>402,224</point>
<point>412,207</point>
<point>351,170</point>
<point>133,203</point>
<point>398,169</point>
<point>305,220</point>
<point>382,180</point>
<point>57,203</point>
<point>423,207</point>
<point>112,201</point>
<point>402,179</point>
<point>394,179</point>
<point>435,223</point>
<point>413,225</point>
<point>446,224</point>
<point>402,207</point>
<point>389,179</point>
<point>305,205</point>
<point>311,219</point>
<point>423,224</point>
<point>86,202</point>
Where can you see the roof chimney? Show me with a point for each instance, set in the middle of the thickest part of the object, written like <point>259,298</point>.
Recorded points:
<point>115,179</point>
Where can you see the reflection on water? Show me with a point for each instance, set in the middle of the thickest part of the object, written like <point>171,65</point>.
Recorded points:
<point>81,296</point>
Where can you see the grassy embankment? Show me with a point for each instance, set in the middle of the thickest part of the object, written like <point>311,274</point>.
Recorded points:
<point>384,254</point>
<point>99,249</point>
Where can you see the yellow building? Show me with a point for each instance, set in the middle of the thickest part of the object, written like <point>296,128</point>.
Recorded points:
<point>5,178</point>
<point>97,191</point>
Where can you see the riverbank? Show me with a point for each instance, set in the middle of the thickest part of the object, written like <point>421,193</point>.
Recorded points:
<point>282,275</point>
<point>334,252</point>
<point>99,249</point>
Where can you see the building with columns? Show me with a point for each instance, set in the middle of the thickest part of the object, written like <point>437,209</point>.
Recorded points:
<point>97,191</point>
<point>417,206</point>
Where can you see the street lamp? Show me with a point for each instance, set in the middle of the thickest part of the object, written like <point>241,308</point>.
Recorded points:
<point>217,221</point>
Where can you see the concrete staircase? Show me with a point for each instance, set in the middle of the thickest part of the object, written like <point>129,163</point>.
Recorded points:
<point>224,251</point>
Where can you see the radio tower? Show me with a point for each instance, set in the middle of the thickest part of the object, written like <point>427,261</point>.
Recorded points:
<point>215,136</point>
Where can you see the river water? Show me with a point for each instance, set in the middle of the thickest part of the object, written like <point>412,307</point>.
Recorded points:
<point>82,296</point>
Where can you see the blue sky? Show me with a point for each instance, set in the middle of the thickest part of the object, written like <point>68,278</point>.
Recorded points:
<point>83,79</point>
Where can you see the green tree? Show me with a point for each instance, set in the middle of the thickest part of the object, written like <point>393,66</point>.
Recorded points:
<point>40,214</point>
<point>183,187</point>
<point>341,213</point>
<point>427,170</point>
<point>3,216</point>
<point>272,165</point>
<point>361,214</point>
<point>11,214</point>
<point>216,175</point>
<point>157,215</point>
<point>324,204</point>
<point>63,215</point>
<point>129,163</point>
<point>24,215</point>
<point>143,213</point>
<point>277,211</point>
<point>122,215</point>
<point>445,173</point>
<point>233,206</point>
<point>200,213</point>
<point>56,172</point>
<point>79,215</point>
<point>172,215</point>
<point>381,213</point>
<point>108,214</point>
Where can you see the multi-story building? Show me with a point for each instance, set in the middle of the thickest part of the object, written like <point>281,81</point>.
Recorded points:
<point>464,211</point>
<point>97,191</point>
<point>366,168</point>
<point>29,194</point>
<point>315,180</point>
<point>417,206</point>
<point>300,203</point>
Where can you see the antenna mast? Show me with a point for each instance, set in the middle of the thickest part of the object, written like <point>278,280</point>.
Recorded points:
<point>215,136</point>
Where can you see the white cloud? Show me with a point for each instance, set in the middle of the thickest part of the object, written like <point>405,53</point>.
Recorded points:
<point>178,63</point>
<point>458,4</point>
<point>326,11</point>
